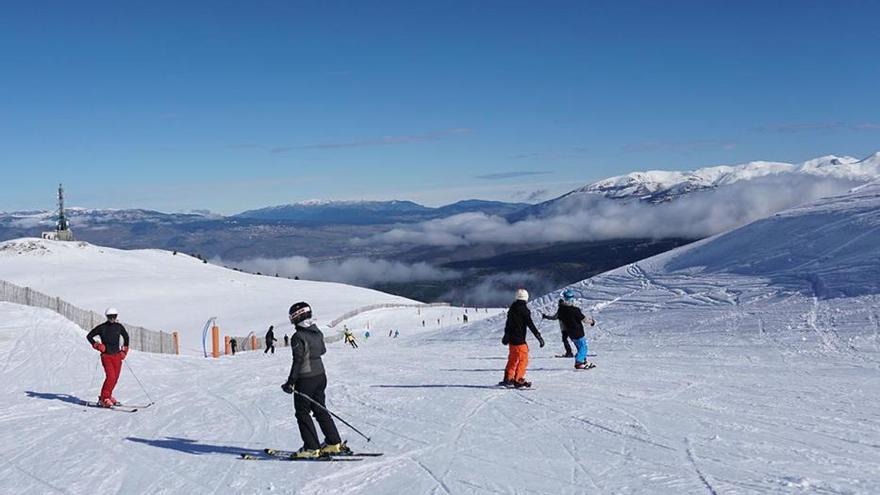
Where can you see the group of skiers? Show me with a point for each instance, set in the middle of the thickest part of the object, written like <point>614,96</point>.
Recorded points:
<point>308,381</point>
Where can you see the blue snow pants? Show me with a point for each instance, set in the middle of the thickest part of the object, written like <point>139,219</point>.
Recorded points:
<point>581,345</point>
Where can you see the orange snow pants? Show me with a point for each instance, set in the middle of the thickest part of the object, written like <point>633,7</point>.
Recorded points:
<point>517,361</point>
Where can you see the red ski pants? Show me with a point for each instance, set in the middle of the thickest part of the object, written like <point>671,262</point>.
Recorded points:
<point>112,364</point>
<point>517,361</point>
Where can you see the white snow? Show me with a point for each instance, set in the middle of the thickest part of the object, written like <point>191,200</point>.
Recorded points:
<point>644,184</point>
<point>745,363</point>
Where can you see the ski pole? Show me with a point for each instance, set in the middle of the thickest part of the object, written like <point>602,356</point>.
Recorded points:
<point>94,372</point>
<point>313,401</point>
<point>139,382</point>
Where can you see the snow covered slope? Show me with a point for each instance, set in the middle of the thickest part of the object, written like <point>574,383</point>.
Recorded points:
<point>747,363</point>
<point>162,291</point>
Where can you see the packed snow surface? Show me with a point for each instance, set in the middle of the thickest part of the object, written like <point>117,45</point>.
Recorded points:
<point>163,291</point>
<point>745,363</point>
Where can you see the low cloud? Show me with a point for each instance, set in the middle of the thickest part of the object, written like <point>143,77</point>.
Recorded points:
<point>530,196</point>
<point>498,290</point>
<point>358,271</point>
<point>591,217</point>
<point>509,175</point>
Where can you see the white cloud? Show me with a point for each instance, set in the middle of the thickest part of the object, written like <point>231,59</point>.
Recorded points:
<point>590,217</point>
<point>359,271</point>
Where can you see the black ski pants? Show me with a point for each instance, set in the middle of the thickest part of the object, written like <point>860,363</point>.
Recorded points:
<point>269,346</point>
<point>313,386</point>
<point>565,343</point>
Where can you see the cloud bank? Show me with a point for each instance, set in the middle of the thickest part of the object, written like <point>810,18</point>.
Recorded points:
<point>592,217</point>
<point>358,271</point>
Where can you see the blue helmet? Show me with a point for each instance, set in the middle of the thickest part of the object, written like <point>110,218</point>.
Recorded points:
<point>568,294</point>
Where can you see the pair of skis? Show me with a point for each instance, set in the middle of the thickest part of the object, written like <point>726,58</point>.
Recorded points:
<point>287,455</point>
<point>118,407</point>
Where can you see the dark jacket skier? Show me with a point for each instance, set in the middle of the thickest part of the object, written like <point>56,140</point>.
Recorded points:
<point>308,380</point>
<point>111,353</point>
<point>270,340</point>
<point>562,328</point>
<point>518,319</point>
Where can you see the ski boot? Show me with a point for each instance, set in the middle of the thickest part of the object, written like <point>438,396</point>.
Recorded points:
<point>340,448</point>
<point>584,366</point>
<point>522,383</point>
<point>506,383</point>
<point>106,402</point>
<point>114,401</point>
<point>304,453</point>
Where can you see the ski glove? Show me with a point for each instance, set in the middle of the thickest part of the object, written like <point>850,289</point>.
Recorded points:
<point>287,387</point>
<point>504,340</point>
<point>124,351</point>
<point>540,341</point>
<point>99,347</point>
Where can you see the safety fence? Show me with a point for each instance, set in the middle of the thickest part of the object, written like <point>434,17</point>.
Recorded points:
<point>372,307</point>
<point>140,338</point>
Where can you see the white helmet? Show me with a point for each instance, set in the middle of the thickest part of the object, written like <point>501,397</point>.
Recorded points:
<point>522,295</point>
<point>111,311</point>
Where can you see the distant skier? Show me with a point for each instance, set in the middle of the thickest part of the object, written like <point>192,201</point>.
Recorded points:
<point>308,379</point>
<point>111,354</point>
<point>366,335</point>
<point>349,338</point>
<point>465,318</point>
<point>565,335</point>
<point>572,319</point>
<point>286,340</point>
<point>233,344</point>
<point>396,333</point>
<point>390,332</point>
<point>518,319</point>
<point>270,340</point>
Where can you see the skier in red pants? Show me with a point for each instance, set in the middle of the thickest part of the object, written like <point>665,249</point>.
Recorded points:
<point>111,353</point>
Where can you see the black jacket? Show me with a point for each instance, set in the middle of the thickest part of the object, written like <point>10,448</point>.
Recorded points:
<point>572,319</point>
<point>270,337</point>
<point>518,319</point>
<point>307,346</point>
<point>109,333</point>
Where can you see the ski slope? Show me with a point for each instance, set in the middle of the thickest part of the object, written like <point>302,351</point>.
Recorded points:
<point>161,291</point>
<point>745,363</point>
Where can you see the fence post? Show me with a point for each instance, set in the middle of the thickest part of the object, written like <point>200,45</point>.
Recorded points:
<point>161,342</point>
<point>176,342</point>
<point>228,347</point>
<point>215,341</point>
<point>253,342</point>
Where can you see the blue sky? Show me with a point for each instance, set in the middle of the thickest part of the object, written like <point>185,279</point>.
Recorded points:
<point>235,105</point>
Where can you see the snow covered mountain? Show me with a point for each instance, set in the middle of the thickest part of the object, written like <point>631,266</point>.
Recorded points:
<point>748,362</point>
<point>658,186</point>
<point>319,212</point>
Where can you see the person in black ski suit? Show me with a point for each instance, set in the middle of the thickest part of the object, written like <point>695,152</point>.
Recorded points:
<point>233,344</point>
<point>308,380</point>
<point>562,328</point>
<point>270,340</point>
<point>286,340</point>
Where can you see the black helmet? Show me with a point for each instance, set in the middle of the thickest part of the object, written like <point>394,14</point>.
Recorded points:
<point>300,312</point>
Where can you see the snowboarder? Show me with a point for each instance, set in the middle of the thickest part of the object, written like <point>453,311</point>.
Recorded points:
<point>286,340</point>
<point>349,338</point>
<point>571,317</point>
<point>518,319</point>
<point>565,335</point>
<point>111,353</point>
<point>270,340</point>
<point>308,380</point>
<point>233,344</point>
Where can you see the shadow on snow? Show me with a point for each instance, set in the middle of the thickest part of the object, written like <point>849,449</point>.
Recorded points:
<point>193,447</point>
